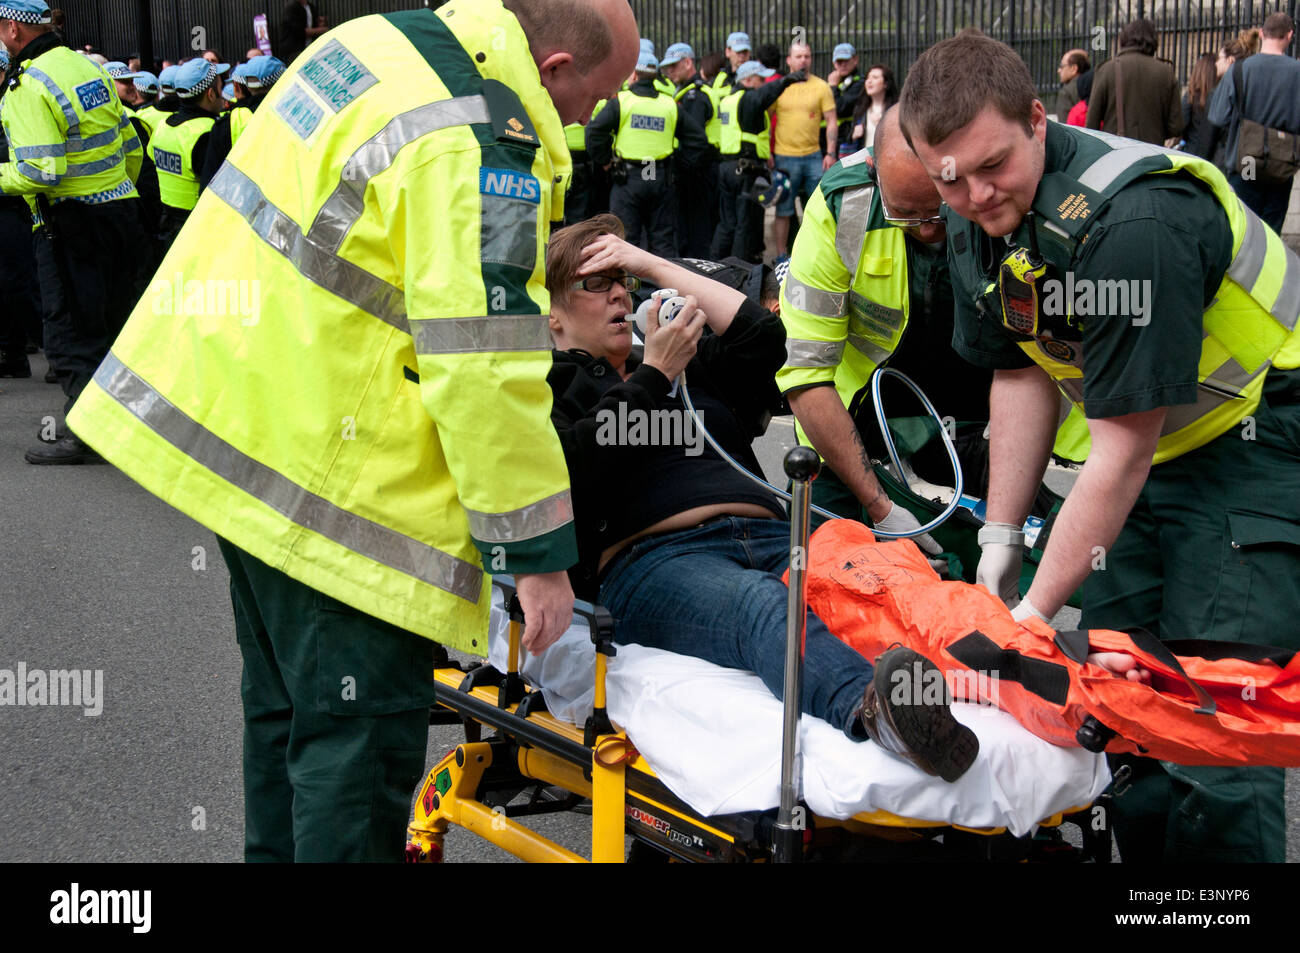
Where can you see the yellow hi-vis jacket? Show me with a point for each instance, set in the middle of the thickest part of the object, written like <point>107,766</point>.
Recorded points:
<point>341,363</point>
<point>845,301</point>
<point>69,137</point>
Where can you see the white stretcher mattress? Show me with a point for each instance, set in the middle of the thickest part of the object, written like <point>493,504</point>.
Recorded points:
<point>713,736</point>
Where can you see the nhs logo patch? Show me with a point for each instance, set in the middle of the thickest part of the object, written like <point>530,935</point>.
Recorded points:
<point>167,161</point>
<point>653,123</point>
<point>92,95</point>
<point>509,184</point>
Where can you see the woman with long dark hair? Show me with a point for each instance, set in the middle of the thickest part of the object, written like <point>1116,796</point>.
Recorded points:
<point>1201,135</point>
<point>879,93</point>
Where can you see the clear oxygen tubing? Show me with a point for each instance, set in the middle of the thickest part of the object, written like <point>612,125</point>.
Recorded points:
<point>876,377</point>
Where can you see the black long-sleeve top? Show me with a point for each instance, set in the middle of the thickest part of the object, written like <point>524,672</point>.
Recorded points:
<point>692,146</point>
<point>619,488</point>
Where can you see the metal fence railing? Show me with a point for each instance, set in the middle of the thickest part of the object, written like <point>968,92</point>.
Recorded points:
<point>889,31</point>
<point>895,32</point>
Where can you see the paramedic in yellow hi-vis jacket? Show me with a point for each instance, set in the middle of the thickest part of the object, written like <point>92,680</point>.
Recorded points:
<point>1134,280</point>
<point>868,285</point>
<point>340,369</point>
<point>73,156</point>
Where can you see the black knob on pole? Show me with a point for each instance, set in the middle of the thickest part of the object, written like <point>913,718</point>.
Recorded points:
<point>802,463</point>
<point>1093,735</point>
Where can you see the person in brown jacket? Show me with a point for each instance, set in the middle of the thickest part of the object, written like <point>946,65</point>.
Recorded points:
<point>1134,94</point>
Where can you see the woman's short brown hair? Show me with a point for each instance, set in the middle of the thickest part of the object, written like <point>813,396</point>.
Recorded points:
<point>952,82</point>
<point>564,250</point>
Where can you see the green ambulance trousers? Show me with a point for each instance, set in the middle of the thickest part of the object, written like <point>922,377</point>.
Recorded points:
<point>336,720</point>
<point>1211,550</point>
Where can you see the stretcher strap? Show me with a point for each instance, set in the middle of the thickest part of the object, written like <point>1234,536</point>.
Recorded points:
<point>979,653</point>
<point>1069,643</point>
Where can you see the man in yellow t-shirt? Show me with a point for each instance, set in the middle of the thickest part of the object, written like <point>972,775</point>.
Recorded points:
<point>799,114</point>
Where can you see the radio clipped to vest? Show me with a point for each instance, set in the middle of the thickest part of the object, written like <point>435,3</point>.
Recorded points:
<point>1019,279</point>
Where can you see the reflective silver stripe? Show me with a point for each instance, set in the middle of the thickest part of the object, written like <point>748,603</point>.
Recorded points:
<point>813,353</point>
<point>130,145</point>
<point>824,304</point>
<point>869,349</point>
<point>527,522</point>
<point>857,158</point>
<point>69,114</point>
<point>501,332</point>
<point>342,209</point>
<point>107,137</point>
<point>369,539</point>
<point>38,152</point>
<point>1249,261</point>
<point>508,231</point>
<point>1108,168</point>
<point>867,316</point>
<point>1286,309</point>
<point>851,227</point>
<point>37,174</point>
<point>94,168</point>
<point>319,265</point>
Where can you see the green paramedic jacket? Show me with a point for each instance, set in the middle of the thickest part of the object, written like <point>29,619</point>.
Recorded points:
<point>349,381</point>
<point>1250,326</point>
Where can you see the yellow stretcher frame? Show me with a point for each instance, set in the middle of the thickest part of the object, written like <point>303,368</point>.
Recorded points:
<point>473,785</point>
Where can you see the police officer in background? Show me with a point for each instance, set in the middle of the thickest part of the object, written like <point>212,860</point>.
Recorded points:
<point>746,152</point>
<point>146,85</point>
<point>739,50</point>
<point>847,84</point>
<point>256,77</point>
<point>697,185</point>
<point>179,145</point>
<point>73,155</point>
<point>633,137</point>
<point>588,192</point>
<point>168,101</point>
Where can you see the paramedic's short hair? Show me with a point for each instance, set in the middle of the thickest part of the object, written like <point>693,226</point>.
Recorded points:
<point>564,251</point>
<point>571,26</point>
<point>952,82</point>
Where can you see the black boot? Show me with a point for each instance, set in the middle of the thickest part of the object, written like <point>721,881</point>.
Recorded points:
<point>66,450</point>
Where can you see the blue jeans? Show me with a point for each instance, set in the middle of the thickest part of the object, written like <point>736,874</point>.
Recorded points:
<point>715,592</point>
<point>804,172</point>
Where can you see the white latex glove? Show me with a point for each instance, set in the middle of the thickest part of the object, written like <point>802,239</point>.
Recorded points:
<point>900,520</point>
<point>1025,609</point>
<point>1001,554</point>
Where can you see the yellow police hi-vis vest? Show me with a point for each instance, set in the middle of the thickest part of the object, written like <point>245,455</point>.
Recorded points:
<point>845,301</point>
<point>151,116</point>
<point>731,138</point>
<point>172,150</point>
<point>69,137</point>
<point>646,126</point>
<point>1251,324</point>
<point>341,368</point>
<point>240,117</point>
<point>712,128</point>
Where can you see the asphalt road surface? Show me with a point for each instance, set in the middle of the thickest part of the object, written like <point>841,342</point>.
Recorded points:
<point>99,575</point>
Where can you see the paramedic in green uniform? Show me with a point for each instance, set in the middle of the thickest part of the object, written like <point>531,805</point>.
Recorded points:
<point>1134,280</point>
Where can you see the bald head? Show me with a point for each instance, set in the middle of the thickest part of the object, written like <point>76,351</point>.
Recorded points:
<point>592,31</point>
<point>904,184</point>
<point>583,49</point>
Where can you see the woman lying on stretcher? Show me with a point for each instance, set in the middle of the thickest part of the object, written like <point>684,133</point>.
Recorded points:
<point>686,553</point>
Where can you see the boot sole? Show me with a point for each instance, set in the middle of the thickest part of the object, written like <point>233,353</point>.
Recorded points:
<point>930,730</point>
<point>80,460</point>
